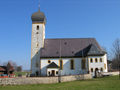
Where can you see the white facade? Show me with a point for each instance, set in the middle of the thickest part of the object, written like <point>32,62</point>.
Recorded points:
<point>77,65</point>
<point>39,65</point>
<point>97,65</point>
<point>50,70</point>
<point>66,66</point>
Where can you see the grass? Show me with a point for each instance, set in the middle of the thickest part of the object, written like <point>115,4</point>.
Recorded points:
<point>106,83</point>
<point>22,73</point>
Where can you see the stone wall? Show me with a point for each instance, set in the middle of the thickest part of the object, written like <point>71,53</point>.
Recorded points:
<point>42,80</point>
<point>111,73</point>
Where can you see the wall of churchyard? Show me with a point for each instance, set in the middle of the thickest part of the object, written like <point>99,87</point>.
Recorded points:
<point>42,80</point>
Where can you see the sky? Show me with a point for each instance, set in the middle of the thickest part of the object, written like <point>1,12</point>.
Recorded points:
<point>98,19</point>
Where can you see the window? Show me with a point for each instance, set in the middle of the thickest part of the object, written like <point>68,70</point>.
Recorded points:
<point>71,64</point>
<point>83,63</point>
<point>96,60</point>
<point>56,72</point>
<point>49,61</point>
<point>49,73</point>
<point>37,27</point>
<point>61,64</point>
<point>91,60</point>
<point>101,69</point>
<point>101,60</point>
<point>91,69</point>
<point>37,32</point>
<point>105,66</point>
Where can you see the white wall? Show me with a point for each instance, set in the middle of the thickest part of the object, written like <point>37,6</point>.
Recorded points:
<point>99,64</point>
<point>66,66</point>
<point>50,70</point>
<point>36,38</point>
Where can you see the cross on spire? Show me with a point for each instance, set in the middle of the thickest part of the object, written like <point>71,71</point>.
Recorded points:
<point>39,6</point>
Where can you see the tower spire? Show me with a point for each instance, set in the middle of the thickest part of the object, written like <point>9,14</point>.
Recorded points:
<point>39,6</point>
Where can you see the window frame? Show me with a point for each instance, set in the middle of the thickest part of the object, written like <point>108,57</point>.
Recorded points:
<point>37,27</point>
<point>72,64</point>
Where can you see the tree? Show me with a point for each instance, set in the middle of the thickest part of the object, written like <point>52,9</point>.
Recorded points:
<point>116,54</point>
<point>19,68</point>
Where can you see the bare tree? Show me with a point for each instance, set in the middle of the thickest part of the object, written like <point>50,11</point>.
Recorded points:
<point>116,54</point>
<point>19,68</point>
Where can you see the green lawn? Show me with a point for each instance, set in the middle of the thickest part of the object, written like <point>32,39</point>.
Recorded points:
<point>22,73</point>
<point>106,83</point>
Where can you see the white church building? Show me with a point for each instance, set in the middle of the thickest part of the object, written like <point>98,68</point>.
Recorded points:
<point>64,56</point>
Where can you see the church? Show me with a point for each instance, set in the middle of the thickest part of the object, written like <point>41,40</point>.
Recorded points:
<point>63,56</point>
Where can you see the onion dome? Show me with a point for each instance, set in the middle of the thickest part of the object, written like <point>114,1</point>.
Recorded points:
<point>38,17</point>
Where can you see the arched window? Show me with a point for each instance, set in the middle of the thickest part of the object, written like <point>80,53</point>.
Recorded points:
<point>61,64</point>
<point>72,64</point>
<point>101,60</point>
<point>37,27</point>
<point>83,63</point>
<point>105,66</point>
<point>96,60</point>
<point>91,60</point>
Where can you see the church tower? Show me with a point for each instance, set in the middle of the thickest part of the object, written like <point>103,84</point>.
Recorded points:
<point>37,43</point>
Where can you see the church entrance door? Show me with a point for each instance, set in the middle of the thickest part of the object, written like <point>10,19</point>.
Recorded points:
<point>53,72</point>
<point>96,72</point>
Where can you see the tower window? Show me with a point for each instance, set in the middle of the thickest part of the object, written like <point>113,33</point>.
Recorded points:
<point>72,64</point>
<point>37,32</point>
<point>37,27</point>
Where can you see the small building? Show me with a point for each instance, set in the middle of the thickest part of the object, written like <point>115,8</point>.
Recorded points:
<point>9,69</point>
<point>63,56</point>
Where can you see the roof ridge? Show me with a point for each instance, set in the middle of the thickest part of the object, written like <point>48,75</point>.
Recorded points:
<point>66,38</point>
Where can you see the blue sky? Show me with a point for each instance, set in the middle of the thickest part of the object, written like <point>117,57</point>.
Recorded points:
<point>65,19</point>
